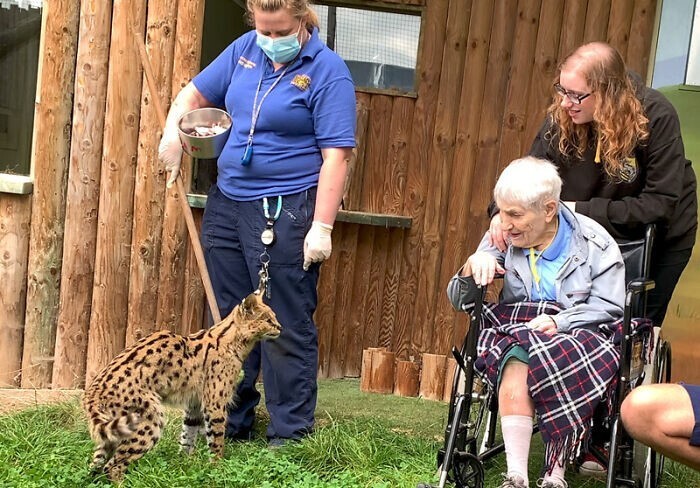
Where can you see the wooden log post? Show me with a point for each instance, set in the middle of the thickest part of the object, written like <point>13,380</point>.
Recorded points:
<point>186,61</point>
<point>15,211</point>
<point>109,312</point>
<point>51,150</point>
<point>382,373</point>
<point>149,193</point>
<point>407,379</point>
<point>377,372</point>
<point>432,381</point>
<point>82,196</point>
<point>450,371</point>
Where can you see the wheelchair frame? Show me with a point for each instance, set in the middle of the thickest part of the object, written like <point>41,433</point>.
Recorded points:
<point>470,442</point>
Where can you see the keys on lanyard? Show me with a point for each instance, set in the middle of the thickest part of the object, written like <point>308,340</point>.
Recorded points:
<point>267,237</point>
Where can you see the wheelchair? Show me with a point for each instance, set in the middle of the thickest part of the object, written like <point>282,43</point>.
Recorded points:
<point>470,435</point>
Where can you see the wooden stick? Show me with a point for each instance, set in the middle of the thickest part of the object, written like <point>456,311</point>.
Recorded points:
<point>186,210</point>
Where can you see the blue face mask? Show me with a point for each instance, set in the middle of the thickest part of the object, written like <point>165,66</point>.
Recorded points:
<point>282,49</point>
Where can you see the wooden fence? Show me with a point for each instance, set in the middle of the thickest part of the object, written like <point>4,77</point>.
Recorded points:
<point>97,256</point>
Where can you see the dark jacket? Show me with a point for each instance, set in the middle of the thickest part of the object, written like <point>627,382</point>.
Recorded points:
<point>663,190</point>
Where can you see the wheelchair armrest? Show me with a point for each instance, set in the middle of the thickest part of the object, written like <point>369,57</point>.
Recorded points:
<point>640,285</point>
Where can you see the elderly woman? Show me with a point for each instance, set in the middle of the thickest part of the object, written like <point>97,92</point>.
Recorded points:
<point>563,288</point>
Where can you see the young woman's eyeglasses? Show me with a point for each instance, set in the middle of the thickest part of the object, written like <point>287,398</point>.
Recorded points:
<point>576,98</point>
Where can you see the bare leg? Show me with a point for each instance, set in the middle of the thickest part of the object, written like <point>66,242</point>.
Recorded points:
<point>661,416</point>
<point>513,394</point>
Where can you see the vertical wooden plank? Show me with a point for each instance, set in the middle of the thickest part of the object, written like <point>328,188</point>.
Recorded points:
<point>545,68</point>
<point>50,154</point>
<point>499,59</point>
<point>82,198</point>
<point>438,176</point>
<point>429,69</point>
<point>639,46</point>
<point>110,291</point>
<point>355,317</point>
<point>513,143</point>
<point>464,161</point>
<point>392,282</point>
<point>188,49</point>
<point>353,183</point>
<point>342,302</point>
<point>596,20</point>
<point>619,24</point>
<point>149,191</point>
<point>375,288</point>
<point>394,179</point>
<point>572,26</point>
<point>375,163</point>
<point>325,309</point>
<point>15,218</point>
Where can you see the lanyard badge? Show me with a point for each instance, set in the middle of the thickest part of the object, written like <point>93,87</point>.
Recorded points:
<point>268,235</point>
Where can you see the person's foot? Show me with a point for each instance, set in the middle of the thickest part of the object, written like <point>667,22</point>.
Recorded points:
<point>551,483</point>
<point>240,436</point>
<point>590,466</point>
<point>278,442</point>
<point>513,481</point>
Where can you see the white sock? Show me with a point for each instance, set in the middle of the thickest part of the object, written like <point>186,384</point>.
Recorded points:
<point>517,433</point>
<point>558,471</point>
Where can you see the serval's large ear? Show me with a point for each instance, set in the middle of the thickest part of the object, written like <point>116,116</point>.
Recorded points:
<point>250,303</point>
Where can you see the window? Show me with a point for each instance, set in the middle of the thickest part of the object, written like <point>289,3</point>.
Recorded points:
<point>677,57</point>
<point>380,48</point>
<point>20,28</point>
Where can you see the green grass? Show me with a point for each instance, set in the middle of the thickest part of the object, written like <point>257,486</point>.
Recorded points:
<point>362,440</point>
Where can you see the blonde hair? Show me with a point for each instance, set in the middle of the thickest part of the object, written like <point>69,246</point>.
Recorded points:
<point>618,117</point>
<point>530,182</point>
<point>300,9</point>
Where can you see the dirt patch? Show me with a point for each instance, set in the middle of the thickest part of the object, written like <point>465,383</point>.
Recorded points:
<point>13,399</point>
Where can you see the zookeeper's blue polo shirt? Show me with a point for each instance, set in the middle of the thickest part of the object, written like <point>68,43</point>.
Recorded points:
<point>312,107</point>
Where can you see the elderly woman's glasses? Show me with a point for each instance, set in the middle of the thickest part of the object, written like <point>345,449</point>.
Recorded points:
<point>576,98</point>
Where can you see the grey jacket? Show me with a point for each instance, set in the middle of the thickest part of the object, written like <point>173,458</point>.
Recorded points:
<point>590,285</point>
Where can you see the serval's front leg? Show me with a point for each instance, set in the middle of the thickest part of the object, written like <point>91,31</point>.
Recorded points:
<point>214,408</point>
<point>192,424</point>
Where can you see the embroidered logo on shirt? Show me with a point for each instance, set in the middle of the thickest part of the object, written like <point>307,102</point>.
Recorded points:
<point>303,82</point>
<point>246,63</point>
<point>629,170</point>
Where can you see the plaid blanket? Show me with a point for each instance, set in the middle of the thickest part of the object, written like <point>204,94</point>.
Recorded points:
<point>569,373</point>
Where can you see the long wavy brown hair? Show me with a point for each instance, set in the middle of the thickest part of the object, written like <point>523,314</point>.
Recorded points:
<point>619,122</point>
<point>299,9</point>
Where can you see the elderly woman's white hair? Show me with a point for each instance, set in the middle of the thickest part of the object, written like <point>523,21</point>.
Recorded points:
<point>529,182</point>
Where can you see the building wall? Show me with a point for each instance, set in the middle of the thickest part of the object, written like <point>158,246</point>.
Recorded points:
<point>119,265</point>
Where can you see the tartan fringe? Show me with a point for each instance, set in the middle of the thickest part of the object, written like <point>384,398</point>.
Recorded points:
<point>567,448</point>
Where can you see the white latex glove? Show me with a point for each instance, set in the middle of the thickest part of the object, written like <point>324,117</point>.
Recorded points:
<point>317,244</point>
<point>170,153</point>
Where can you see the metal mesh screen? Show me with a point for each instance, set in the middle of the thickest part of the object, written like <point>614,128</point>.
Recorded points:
<point>380,48</point>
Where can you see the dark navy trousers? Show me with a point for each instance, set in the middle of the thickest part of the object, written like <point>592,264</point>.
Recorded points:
<point>232,250</point>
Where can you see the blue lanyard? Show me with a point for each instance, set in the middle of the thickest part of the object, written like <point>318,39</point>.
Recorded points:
<point>248,153</point>
<point>266,208</point>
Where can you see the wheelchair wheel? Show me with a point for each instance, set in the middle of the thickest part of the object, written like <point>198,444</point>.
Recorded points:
<point>467,471</point>
<point>650,463</point>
